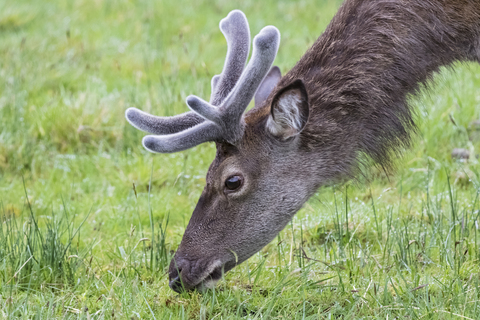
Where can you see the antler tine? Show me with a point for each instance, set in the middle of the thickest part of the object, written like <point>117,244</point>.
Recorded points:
<point>162,125</point>
<point>224,122</point>
<point>265,48</point>
<point>206,131</point>
<point>214,83</point>
<point>237,33</point>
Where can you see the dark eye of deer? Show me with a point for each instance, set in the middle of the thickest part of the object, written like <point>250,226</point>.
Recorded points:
<point>233,183</point>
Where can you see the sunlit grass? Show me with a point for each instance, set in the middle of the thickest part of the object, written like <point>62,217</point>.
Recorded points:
<point>89,220</point>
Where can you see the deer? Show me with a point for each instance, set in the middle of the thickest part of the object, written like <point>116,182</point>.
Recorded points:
<point>345,100</point>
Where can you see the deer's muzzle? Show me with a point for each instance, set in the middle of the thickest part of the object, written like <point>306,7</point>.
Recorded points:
<point>187,275</point>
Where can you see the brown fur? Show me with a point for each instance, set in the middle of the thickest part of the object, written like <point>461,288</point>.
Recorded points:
<point>361,72</point>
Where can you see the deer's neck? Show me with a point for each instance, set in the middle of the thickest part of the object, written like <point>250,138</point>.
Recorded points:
<point>375,54</point>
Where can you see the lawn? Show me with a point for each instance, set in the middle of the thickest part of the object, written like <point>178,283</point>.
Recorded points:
<point>89,220</point>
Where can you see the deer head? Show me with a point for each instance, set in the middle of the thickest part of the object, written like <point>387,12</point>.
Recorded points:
<point>252,187</point>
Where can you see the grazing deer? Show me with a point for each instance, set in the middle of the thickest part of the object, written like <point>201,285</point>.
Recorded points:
<point>345,99</point>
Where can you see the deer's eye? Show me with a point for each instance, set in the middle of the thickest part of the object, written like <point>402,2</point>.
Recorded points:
<point>233,183</point>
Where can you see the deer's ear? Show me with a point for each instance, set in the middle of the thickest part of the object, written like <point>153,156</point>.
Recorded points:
<point>267,85</point>
<point>289,111</point>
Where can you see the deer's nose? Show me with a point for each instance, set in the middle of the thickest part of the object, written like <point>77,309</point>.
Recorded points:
<point>176,267</point>
<point>176,284</point>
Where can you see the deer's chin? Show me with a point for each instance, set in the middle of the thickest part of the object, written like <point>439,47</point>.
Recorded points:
<point>210,281</point>
<point>207,284</point>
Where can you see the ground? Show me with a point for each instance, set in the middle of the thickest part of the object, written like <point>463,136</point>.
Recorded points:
<point>89,219</point>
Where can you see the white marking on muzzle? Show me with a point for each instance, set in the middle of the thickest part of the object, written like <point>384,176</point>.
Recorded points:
<point>216,264</point>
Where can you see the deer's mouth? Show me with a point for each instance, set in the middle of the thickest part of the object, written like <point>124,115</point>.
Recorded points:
<point>186,280</point>
<point>210,281</point>
<point>191,278</point>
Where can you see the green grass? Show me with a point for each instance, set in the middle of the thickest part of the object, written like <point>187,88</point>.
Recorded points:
<point>77,241</point>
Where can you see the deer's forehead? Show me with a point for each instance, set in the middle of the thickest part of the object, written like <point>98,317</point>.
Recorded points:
<point>233,161</point>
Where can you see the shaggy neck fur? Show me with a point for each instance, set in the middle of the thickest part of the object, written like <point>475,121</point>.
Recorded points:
<point>361,72</point>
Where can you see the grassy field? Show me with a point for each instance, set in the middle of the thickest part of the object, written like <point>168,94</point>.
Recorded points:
<point>89,220</point>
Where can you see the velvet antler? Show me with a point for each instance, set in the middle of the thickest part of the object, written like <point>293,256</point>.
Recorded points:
<point>232,91</point>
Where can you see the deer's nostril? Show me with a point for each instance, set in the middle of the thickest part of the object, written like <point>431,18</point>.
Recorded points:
<point>177,265</point>
<point>176,284</point>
